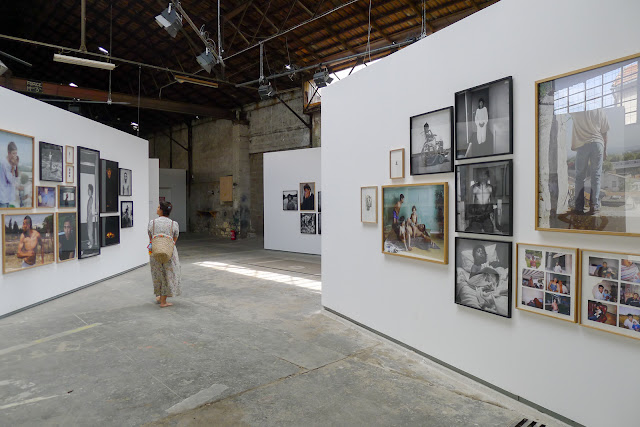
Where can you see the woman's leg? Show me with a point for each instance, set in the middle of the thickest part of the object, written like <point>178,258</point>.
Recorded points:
<point>163,301</point>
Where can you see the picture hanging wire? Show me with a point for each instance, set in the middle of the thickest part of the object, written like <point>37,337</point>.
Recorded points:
<point>369,32</point>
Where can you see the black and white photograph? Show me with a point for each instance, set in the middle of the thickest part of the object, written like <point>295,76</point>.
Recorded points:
<point>68,149</point>
<point>483,275</point>
<point>108,186</point>
<point>484,125</point>
<point>484,198</point>
<point>125,182</point>
<point>66,196</point>
<point>88,202</point>
<point>51,162</point>
<point>308,192</point>
<point>319,201</point>
<point>290,200</point>
<point>110,227</point>
<point>432,142</point>
<point>308,223</point>
<point>319,224</point>
<point>126,214</point>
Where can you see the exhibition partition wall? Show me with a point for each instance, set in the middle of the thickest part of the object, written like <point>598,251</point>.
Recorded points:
<point>57,271</point>
<point>560,365</point>
<point>173,182</point>
<point>293,222</point>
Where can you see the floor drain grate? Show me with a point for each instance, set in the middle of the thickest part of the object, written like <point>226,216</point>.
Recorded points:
<point>524,421</point>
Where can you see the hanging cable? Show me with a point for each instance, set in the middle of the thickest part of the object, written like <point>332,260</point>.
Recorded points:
<point>139,88</point>
<point>369,32</point>
<point>110,50</point>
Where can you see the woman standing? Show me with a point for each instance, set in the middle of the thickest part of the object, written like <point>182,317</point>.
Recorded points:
<point>166,277</point>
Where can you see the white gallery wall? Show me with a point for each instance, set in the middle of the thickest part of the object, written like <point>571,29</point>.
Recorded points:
<point>173,186</point>
<point>21,114</point>
<point>586,375</point>
<point>284,171</point>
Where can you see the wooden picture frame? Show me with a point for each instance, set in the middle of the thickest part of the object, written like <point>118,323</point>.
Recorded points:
<point>42,223</point>
<point>25,158</point>
<point>551,277</point>
<point>431,142</point>
<point>69,154</point>
<point>51,162</point>
<point>396,163</point>
<point>45,197</point>
<point>69,174</point>
<point>369,205</point>
<point>62,242</point>
<point>67,197</point>
<point>431,231</point>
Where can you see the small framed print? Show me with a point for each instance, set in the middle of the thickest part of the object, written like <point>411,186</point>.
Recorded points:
<point>68,154</point>
<point>66,197</point>
<point>547,280</point>
<point>45,197</point>
<point>66,236</point>
<point>290,200</point>
<point>69,174</point>
<point>125,182</point>
<point>308,223</point>
<point>126,214</point>
<point>610,292</point>
<point>396,163</point>
<point>50,162</point>
<point>369,205</point>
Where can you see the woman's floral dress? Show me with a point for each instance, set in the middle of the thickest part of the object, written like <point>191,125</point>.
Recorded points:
<point>166,277</point>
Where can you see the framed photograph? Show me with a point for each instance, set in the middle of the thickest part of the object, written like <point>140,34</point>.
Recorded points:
<point>16,191</point>
<point>69,174</point>
<point>588,150</point>
<point>308,223</point>
<point>126,214</point>
<point>27,241</point>
<point>319,201</point>
<point>66,196</point>
<point>396,163</point>
<point>125,182</point>
<point>308,191</point>
<point>484,198</point>
<point>66,235</point>
<point>484,120</point>
<point>547,280</point>
<point>483,275</point>
<point>431,142</point>
<point>46,197</point>
<point>414,221</point>
<point>319,224</point>
<point>51,163</point>
<point>68,156</point>
<point>369,205</point>
<point>88,202</point>
<point>108,186</point>
<point>290,200</point>
<point>610,291</point>
<point>110,230</point>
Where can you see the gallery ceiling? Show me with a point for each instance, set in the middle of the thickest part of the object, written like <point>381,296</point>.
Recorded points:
<point>305,34</point>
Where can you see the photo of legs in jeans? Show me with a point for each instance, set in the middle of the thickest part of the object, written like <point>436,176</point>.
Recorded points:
<point>589,158</point>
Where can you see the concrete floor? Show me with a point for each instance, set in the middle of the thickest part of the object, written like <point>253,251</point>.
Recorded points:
<point>246,344</point>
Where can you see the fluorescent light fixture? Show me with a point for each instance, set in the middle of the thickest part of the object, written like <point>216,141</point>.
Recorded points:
<point>322,78</point>
<point>266,91</point>
<point>3,68</point>
<point>170,20</point>
<point>103,50</point>
<point>84,62</point>
<point>206,60</point>
<point>195,81</point>
<point>73,84</point>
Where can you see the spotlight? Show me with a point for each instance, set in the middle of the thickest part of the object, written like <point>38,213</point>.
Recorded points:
<point>287,66</point>
<point>103,50</point>
<point>322,78</point>
<point>206,60</point>
<point>134,125</point>
<point>73,84</point>
<point>170,20</point>
<point>266,91</point>
<point>3,68</point>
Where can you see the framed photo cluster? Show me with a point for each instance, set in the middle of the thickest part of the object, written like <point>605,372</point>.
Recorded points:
<point>306,203</point>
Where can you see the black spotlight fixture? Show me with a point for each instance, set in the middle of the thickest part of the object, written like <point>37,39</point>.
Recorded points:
<point>321,78</point>
<point>170,20</point>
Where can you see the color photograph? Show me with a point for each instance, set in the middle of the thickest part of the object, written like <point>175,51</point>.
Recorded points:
<point>431,142</point>
<point>559,262</point>
<point>629,318</point>
<point>27,241</point>
<point>533,258</point>
<point>108,186</point>
<point>308,223</point>
<point>630,270</point>
<point>557,304</point>
<point>66,236</point>
<point>126,214</point>
<point>558,283</point>
<point>290,200</point>
<point>533,298</point>
<point>110,230</point>
<point>308,191</point>
<point>532,278</point>
<point>600,312</point>
<point>16,182</point>
<point>603,267</point>
<point>414,221</point>
<point>46,197</point>
<point>66,197</point>
<point>88,202</point>
<point>605,290</point>
<point>630,294</point>
<point>51,162</point>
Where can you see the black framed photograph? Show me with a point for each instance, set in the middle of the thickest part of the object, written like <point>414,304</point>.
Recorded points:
<point>125,182</point>
<point>66,196</point>
<point>110,230</point>
<point>66,236</point>
<point>108,186</point>
<point>45,197</point>
<point>483,275</point>
<point>319,224</point>
<point>308,191</point>
<point>51,162</point>
<point>290,200</point>
<point>319,201</point>
<point>484,198</point>
<point>126,214</point>
<point>308,223</point>
<point>431,142</point>
<point>88,202</point>
<point>484,120</point>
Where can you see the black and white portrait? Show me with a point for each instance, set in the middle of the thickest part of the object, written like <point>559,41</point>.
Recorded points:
<point>126,214</point>
<point>290,200</point>
<point>51,162</point>
<point>308,223</point>
<point>308,190</point>
<point>88,202</point>
<point>483,275</point>
<point>319,224</point>
<point>484,198</point>
<point>484,120</point>
<point>110,230</point>
<point>432,142</point>
<point>108,186</point>
<point>66,196</point>
<point>125,182</point>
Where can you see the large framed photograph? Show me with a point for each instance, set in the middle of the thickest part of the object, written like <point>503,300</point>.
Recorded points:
<point>484,120</point>
<point>46,197</point>
<point>547,280</point>
<point>66,196</point>
<point>396,163</point>
<point>484,198</point>
<point>27,241</point>
<point>308,223</point>
<point>16,185</point>
<point>308,191</point>
<point>125,182</point>
<point>88,202</point>
<point>290,200</point>
<point>66,236</point>
<point>110,230</point>
<point>51,162</point>
<point>415,221</point>
<point>483,275</point>
<point>126,214</point>
<point>108,186</point>
<point>369,205</point>
<point>588,150</point>
<point>431,147</point>
<point>610,291</point>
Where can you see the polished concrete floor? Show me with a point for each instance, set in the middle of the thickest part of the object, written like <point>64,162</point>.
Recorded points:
<point>246,344</point>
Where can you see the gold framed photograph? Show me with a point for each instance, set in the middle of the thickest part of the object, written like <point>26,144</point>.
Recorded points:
<point>69,174</point>
<point>369,205</point>
<point>396,163</point>
<point>308,200</point>
<point>17,188</point>
<point>66,197</point>
<point>27,241</point>
<point>66,236</point>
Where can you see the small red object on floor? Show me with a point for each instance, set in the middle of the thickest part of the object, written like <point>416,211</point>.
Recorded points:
<point>233,234</point>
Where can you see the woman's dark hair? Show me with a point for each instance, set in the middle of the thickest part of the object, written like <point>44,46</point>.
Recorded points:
<point>166,207</point>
